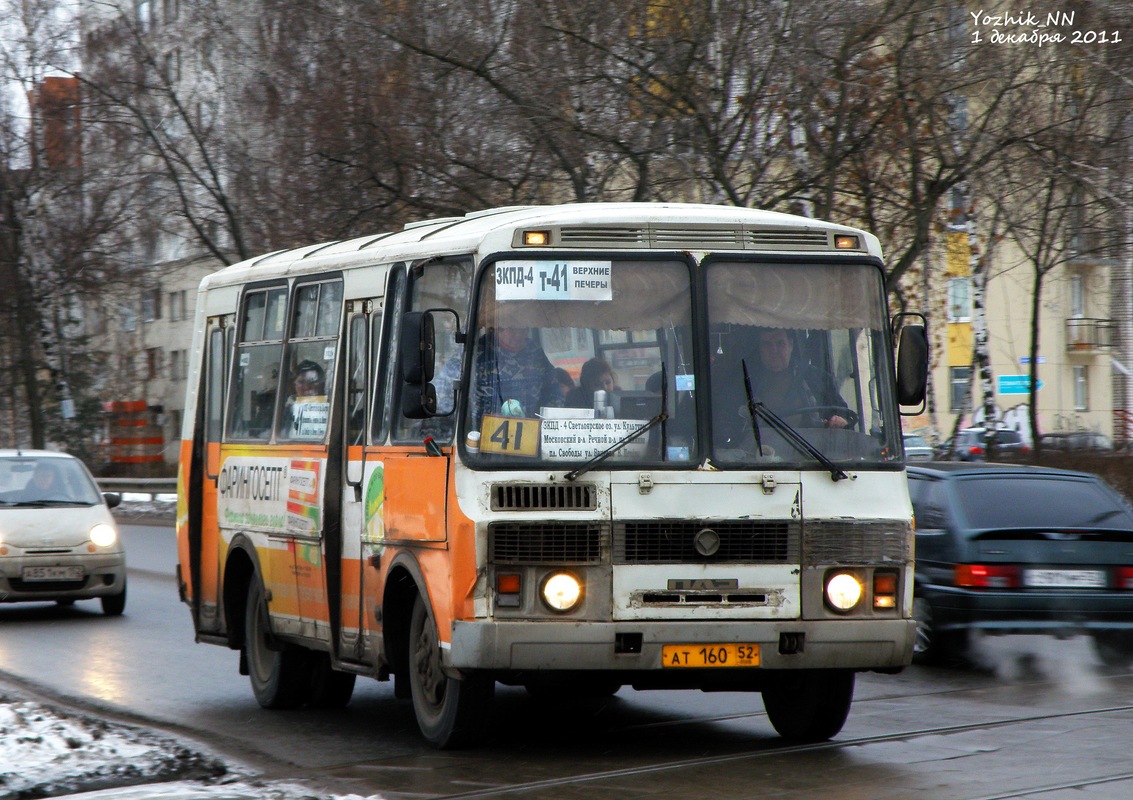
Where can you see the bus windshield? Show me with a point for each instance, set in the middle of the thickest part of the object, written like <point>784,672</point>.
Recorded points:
<point>572,357</point>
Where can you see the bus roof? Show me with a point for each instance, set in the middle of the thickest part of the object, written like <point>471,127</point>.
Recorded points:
<point>576,226</point>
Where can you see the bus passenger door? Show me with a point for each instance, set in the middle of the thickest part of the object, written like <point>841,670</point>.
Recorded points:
<point>356,404</point>
<point>207,574</point>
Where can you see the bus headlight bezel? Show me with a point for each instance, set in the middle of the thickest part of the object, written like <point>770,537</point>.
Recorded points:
<point>561,591</point>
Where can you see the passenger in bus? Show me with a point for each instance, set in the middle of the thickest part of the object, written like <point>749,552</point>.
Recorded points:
<point>511,376</point>
<point>596,375</point>
<point>565,383</point>
<point>309,384</point>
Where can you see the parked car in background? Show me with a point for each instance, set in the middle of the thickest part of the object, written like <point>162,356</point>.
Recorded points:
<point>58,539</point>
<point>1078,441</point>
<point>917,448</point>
<point>1008,549</point>
<point>971,444</point>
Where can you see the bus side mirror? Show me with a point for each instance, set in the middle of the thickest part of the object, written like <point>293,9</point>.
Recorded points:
<point>912,367</point>
<point>418,401</point>
<point>418,347</point>
<point>418,355</point>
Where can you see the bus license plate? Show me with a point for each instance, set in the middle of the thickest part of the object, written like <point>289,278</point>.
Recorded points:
<point>710,655</point>
<point>53,573</point>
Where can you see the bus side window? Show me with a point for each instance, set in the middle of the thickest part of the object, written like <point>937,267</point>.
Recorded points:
<point>312,348</point>
<point>256,373</point>
<point>356,380</point>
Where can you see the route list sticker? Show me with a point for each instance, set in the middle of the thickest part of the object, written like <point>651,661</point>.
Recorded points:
<point>554,280</point>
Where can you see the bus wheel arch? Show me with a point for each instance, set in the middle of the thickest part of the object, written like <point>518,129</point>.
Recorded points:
<point>240,570</point>
<point>401,591</point>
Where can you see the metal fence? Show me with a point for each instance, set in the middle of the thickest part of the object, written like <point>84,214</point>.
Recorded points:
<point>150,486</point>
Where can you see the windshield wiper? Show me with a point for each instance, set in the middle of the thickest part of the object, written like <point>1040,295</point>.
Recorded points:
<point>659,419</point>
<point>758,409</point>
<point>751,409</point>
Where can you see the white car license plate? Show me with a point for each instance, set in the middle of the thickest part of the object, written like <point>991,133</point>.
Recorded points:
<point>53,573</point>
<point>1065,578</point>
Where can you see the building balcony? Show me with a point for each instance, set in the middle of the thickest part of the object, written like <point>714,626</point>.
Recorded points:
<point>1086,335</point>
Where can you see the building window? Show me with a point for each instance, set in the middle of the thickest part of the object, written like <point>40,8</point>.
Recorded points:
<point>959,299</point>
<point>959,377</point>
<point>1077,297</point>
<point>151,305</point>
<point>177,309</point>
<point>1081,389</point>
<point>144,10</point>
<point>127,318</point>
<point>153,363</point>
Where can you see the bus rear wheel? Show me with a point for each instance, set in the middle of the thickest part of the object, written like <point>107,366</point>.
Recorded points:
<point>809,705</point>
<point>280,673</point>
<point>450,712</point>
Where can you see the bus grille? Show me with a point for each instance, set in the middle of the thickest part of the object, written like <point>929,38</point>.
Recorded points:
<point>672,542</point>
<point>544,497</point>
<point>547,542</point>
<point>719,237</point>
<point>788,240</point>
<point>857,542</point>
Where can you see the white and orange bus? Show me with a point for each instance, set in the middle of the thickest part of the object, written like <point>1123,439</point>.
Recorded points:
<point>369,485</point>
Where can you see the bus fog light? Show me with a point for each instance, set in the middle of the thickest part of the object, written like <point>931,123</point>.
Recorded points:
<point>843,591</point>
<point>562,591</point>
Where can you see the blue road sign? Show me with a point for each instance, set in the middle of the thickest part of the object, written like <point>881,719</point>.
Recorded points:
<point>1014,384</point>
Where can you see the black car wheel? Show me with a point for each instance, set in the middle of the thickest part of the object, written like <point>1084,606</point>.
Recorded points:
<point>1114,649</point>
<point>933,646</point>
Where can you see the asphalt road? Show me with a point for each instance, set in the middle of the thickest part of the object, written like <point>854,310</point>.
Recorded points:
<point>1041,719</point>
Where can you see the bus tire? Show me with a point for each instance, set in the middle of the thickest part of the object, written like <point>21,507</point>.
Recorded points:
<point>809,705</point>
<point>450,712</point>
<point>330,688</point>
<point>280,673</point>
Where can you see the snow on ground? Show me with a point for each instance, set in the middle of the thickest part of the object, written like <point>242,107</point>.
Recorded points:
<point>49,752</point>
<point>46,752</point>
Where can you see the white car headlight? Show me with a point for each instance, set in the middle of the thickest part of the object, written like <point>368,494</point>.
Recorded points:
<point>103,535</point>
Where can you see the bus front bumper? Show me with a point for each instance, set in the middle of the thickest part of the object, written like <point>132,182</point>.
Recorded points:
<point>637,646</point>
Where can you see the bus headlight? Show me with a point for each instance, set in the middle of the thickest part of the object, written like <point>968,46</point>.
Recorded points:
<point>843,591</point>
<point>561,591</point>
<point>103,535</point>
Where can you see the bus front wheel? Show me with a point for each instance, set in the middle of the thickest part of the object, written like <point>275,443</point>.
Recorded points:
<point>809,705</point>
<point>450,712</point>
<point>280,673</point>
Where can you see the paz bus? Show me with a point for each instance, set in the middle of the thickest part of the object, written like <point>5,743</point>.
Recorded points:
<point>369,487</point>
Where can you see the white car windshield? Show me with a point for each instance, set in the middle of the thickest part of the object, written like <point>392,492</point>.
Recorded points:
<point>41,479</point>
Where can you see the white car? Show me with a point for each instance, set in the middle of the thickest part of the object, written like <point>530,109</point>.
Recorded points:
<point>917,448</point>
<point>58,539</point>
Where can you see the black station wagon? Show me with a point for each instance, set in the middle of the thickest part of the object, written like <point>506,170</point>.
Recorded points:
<point>1008,549</point>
